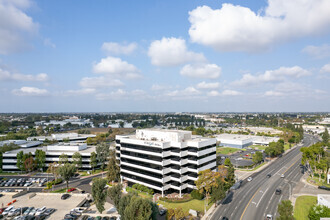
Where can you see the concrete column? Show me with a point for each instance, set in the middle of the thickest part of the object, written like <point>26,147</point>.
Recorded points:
<point>180,193</point>
<point>162,193</point>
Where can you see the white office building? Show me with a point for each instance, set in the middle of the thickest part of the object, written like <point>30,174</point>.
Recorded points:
<point>53,152</point>
<point>165,160</point>
<point>242,141</point>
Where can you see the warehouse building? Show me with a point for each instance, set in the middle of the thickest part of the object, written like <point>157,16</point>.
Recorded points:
<point>242,141</point>
<point>165,160</point>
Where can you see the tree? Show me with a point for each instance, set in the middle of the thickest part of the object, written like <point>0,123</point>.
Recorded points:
<point>99,193</point>
<point>29,164</point>
<point>285,209</point>
<point>93,161</point>
<point>257,157</point>
<point>53,168</point>
<point>138,208</point>
<point>102,152</point>
<point>63,159</point>
<point>121,124</point>
<point>40,157</point>
<point>67,171</point>
<point>124,202</point>
<point>113,173</point>
<point>20,162</point>
<point>230,178</point>
<point>227,162</point>
<point>218,192</point>
<point>318,211</point>
<point>325,136</point>
<point>77,160</point>
<point>115,193</point>
<point>206,180</point>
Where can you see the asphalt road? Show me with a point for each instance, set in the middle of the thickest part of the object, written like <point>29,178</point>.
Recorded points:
<point>255,199</point>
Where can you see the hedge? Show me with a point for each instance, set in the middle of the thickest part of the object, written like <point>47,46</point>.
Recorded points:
<point>143,188</point>
<point>185,198</point>
<point>196,195</point>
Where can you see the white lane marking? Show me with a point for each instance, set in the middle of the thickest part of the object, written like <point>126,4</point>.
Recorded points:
<point>269,201</point>
<point>254,203</point>
<point>262,196</point>
<point>235,207</point>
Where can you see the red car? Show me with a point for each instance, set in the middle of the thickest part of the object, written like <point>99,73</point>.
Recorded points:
<point>71,189</point>
<point>2,209</point>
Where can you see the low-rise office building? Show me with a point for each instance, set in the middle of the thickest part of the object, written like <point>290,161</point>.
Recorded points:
<point>63,137</point>
<point>242,141</point>
<point>21,143</point>
<point>165,160</point>
<point>53,152</point>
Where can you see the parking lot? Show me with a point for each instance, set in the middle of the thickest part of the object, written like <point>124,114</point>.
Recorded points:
<point>240,158</point>
<point>23,182</point>
<point>50,200</point>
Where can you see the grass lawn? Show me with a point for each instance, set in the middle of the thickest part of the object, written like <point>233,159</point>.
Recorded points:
<point>84,173</point>
<point>9,174</point>
<point>59,191</point>
<point>260,165</point>
<point>142,194</point>
<point>258,147</point>
<point>287,146</point>
<point>302,206</point>
<point>315,181</point>
<point>227,150</point>
<point>194,204</point>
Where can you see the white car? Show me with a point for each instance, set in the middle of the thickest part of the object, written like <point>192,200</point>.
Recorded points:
<point>78,209</point>
<point>249,179</point>
<point>282,176</point>
<point>32,212</point>
<point>12,212</point>
<point>269,217</point>
<point>7,210</point>
<point>40,210</point>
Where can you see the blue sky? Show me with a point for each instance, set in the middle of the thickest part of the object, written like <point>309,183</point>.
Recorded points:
<point>215,56</point>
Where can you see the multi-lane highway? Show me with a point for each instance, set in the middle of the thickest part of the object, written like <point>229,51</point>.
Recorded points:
<point>256,199</point>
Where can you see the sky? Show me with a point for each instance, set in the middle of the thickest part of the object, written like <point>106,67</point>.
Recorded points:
<point>164,56</point>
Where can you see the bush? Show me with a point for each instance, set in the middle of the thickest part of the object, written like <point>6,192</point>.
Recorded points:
<point>135,186</point>
<point>142,188</point>
<point>196,195</point>
<point>57,181</point>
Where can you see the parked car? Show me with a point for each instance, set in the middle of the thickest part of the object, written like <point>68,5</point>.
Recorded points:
<point>11,212</point>
<point>27,210</point>
<point>162,211</point>
<point>324,187</point>
<point>33,211</point>
<point>49,211</point>
<point>7,210</point>
<point>40,210</point>
<point>71,189</point>
<point>65,196</point>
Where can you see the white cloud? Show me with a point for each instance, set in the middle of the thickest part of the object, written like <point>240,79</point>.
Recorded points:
<point>122,94</point>
<point>48,42</point>
<point>172,52</point>
<point>325,68</point>
<point>272,76</point>
<point>205,85</point>
<point>237,28</point>
<point>226,92</point>
<point>100,82</point>
<point>317,51</point>
<point>207,71</point>
<point>157,87</point>
<point>30,91</point>
<point>116,67</point>
<point>5,75</point>
<point>15,25</point>
<point>117,49</point>
<point>84,91</point>
<point>187,92</point>
<point>273,93</point>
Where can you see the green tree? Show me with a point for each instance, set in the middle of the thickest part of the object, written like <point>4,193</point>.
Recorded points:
<point>227,162</point>
<point>124,202</point>
<point>66,171</point>
<point>138,208</point>
<point>113,173</point>
<point>40,157</point>
<point>77,160</point>
<point>257,157</point>
<point>63,159</point>
<point>115,193</point>
<point>29,164</point>
<point>285,210</point>
<point>99,193</point>
<point>218,192</point>
<point>20,162</point>
<point>318,211</point>
<point>230,177</point>
<point>325,136</point>
<point>102,152</point>
<point>93,161</point>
